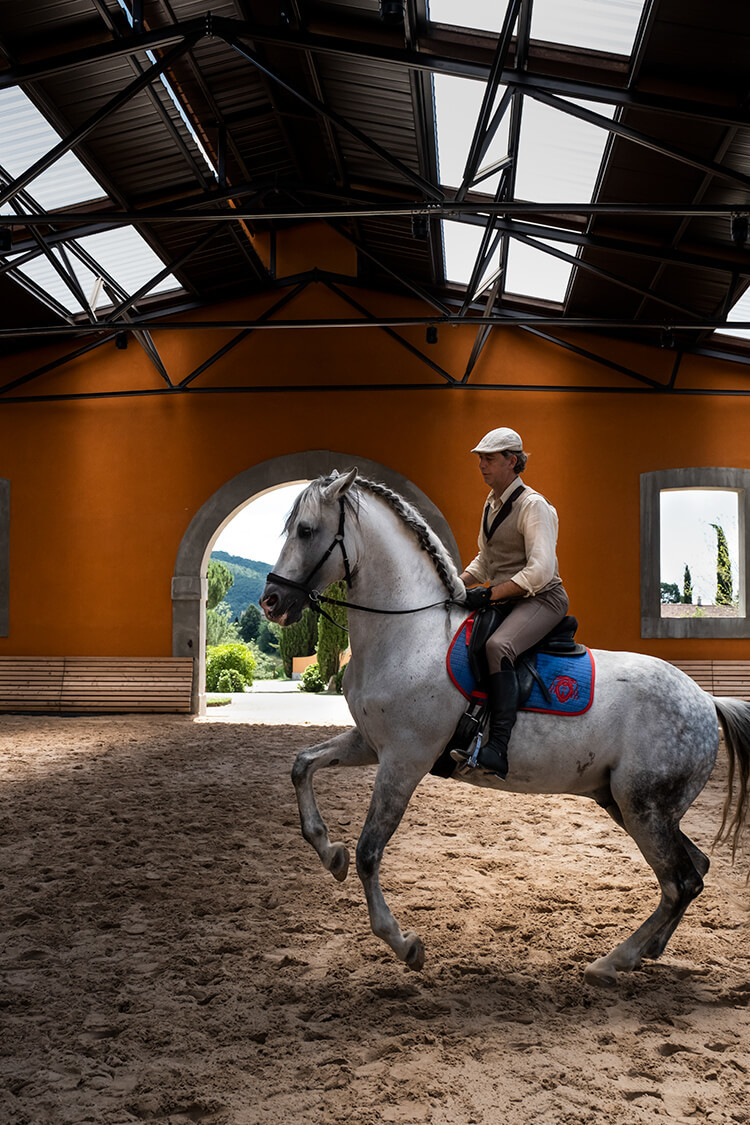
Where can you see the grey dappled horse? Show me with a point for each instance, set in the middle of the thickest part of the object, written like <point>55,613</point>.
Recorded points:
<point>643,751</point>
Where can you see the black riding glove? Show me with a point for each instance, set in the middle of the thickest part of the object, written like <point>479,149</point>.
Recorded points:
<point>478,597</point>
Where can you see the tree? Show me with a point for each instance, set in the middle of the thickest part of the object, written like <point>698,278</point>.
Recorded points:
<point>220,579</point>
<point>299,639</point>
<point>687,587</point>
<point>723,568</point>
<point>268,637</point>
<point>332,641</point>
<point>670,593</point>
<point>220,629</point>
<point>250,623</point>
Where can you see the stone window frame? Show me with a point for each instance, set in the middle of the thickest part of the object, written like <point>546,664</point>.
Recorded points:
<point>652,485</point>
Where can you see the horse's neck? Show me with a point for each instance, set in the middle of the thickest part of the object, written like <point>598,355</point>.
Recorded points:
<point>393,570</point>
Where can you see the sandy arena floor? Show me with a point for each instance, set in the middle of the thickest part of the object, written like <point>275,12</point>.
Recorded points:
<point>173,952</point>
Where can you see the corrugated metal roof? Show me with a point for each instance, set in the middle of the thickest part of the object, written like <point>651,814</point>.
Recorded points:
<point>265,120</point>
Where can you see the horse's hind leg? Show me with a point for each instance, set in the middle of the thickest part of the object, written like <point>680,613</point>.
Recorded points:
<point>676,862</point>
<point>346,749</point>
<point>391,794</point>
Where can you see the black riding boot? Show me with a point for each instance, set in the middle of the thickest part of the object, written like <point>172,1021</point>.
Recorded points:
<point>502,689</point>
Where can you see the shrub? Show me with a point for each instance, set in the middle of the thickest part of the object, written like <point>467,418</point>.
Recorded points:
<point>339,679</point>
<point>230,680</point>
<point>225,657</point>
<point>267,666</point>
<point>311,679</point>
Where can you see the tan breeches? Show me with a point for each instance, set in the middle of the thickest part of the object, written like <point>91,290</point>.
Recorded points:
<point>526,624</point>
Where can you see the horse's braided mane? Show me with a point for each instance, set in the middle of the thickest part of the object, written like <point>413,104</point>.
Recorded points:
<point>423,533</point>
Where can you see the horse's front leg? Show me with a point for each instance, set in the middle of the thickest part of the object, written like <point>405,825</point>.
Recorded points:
<point>346,749</point>
<point>391,794</point>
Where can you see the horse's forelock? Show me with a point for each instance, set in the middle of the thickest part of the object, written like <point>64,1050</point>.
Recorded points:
<point>310,502</point>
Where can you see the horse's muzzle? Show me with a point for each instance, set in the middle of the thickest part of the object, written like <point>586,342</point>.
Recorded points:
<point>282,605</point>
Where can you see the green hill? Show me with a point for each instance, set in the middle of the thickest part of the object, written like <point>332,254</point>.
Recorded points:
<point>249,580</point>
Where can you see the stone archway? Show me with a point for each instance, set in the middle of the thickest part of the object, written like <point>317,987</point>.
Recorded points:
<point>189,584</point>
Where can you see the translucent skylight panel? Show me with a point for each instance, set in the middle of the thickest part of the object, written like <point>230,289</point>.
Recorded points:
<point>457,105</point>
<point>532,273</point>
<point>599,25</point>
<point>43,273</point>
<point>122,253</point>
<point>739,311</point>
<point>461,245</point>
<point>559,156</point>
<point>129,259</point>
<point>25,136</point>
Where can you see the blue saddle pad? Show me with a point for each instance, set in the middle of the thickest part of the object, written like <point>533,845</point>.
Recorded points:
<point>568,679</point>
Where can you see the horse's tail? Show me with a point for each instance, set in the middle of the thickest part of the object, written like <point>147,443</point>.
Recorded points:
<point>734,716</point>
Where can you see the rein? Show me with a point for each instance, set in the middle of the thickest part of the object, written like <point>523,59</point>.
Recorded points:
<point>315,597</point>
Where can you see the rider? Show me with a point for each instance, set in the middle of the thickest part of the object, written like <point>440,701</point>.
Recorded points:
<point>517,560</point>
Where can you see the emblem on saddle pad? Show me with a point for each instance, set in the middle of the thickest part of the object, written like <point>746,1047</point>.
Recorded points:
<point>563,684</point>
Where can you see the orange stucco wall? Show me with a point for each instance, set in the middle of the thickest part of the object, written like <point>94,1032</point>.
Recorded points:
<point>103,490</point>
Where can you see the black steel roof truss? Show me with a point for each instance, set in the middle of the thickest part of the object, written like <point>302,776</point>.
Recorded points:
<point>320,108</point>
<point>82,131</point>
<point>589,267</point>
<point>370,320</point>
<point>228,347</point>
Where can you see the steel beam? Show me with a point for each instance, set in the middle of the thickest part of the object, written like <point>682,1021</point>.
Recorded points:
<point>506,320</point>
<point>445,209</point>
<point>486,127</point>
<point>371,388</point>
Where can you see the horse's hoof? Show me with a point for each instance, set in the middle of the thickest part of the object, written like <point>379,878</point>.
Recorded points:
<point>415,954</point>
<point>339,865</point>
<point>603,976</point>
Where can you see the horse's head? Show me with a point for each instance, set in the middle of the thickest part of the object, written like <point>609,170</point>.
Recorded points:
<point>313,555</point>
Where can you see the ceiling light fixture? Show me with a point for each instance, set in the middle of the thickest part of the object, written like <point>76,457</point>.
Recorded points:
<point>392,11</point>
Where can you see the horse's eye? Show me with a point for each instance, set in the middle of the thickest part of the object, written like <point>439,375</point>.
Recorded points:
<point>304,531</point>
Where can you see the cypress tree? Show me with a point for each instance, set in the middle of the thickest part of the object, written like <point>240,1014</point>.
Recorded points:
<point>723,567</point>
<point>298,640</point>
<point>687,587</point>
<point>332,641</point>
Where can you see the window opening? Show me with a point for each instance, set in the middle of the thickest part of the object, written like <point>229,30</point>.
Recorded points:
<point>699,564</point>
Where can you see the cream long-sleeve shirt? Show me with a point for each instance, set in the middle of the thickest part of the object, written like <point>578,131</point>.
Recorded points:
<point>524,546</point>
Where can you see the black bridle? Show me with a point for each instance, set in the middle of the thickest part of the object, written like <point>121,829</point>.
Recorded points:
<point>315,597</point>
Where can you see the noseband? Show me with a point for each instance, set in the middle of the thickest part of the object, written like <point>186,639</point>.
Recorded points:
<point>315,597</point>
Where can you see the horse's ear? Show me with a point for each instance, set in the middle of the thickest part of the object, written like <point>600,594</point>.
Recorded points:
<point>340,484</point>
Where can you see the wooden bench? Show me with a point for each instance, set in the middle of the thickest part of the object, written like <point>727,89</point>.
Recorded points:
<point>719,677</point>
<point>96,684</point>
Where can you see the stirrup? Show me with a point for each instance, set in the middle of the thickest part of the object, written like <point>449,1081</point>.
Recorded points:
<point>469,759</point>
